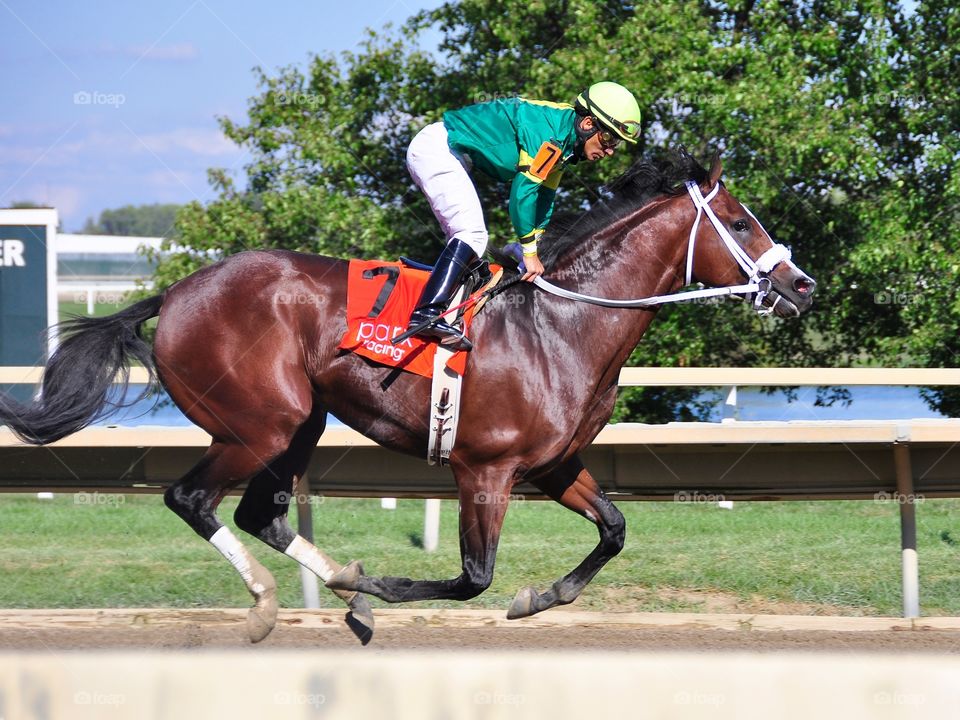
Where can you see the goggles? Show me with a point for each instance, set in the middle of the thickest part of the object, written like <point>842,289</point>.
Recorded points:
<point>609,140</point>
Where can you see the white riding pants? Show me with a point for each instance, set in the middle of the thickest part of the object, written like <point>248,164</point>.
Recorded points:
<point>442,176</point>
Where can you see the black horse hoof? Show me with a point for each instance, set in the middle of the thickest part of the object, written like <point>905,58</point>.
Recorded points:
<point>360,618</point>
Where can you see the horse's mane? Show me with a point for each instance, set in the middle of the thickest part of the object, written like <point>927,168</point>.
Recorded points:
<point>645,181</point>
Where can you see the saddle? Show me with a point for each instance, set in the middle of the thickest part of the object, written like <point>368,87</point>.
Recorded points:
<point>380,298</point>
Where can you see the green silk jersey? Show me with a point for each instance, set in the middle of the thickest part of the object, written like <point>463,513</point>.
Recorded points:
<point>526,142</point>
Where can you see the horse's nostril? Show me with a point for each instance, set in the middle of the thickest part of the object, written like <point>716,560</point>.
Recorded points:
<point>804,285</point>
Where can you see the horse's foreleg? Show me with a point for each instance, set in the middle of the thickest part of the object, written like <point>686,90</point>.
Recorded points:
<point>483,504</point>
<point>262,512</point>
<point>572,486</point>
<point>195,498</point>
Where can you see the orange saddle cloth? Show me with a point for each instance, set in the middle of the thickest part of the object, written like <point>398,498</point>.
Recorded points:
<point>380,299</point>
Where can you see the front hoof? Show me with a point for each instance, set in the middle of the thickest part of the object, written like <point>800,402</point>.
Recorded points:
<point>347,577</point>
<point>360,618</point>
<point>524,604</point>
<point>261,619</point>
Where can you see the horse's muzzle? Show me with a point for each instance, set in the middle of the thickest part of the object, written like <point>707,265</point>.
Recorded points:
<point>792,291</point>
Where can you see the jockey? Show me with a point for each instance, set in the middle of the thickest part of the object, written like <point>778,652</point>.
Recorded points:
<point>528,143</point>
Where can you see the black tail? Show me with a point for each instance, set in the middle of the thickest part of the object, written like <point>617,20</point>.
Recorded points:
<point>78,379</point>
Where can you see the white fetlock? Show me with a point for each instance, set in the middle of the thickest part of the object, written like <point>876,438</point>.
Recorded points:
<point>262,617</point>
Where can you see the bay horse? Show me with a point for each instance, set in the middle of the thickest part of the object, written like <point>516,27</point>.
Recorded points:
<point>260,375</point>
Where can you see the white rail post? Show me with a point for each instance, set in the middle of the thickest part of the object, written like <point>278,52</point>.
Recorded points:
<point>431,524</point>
<point>908,531</point>
<point>303,499</point>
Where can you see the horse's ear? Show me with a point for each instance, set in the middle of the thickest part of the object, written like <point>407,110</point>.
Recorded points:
<point>716,170</point>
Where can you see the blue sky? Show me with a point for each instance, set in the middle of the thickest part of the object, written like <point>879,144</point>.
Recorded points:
<point>112,103</point>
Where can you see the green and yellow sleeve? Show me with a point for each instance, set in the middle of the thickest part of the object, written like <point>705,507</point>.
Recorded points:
<point>531,198</point>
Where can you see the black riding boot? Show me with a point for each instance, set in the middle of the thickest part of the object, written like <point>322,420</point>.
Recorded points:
<point>451,266</point>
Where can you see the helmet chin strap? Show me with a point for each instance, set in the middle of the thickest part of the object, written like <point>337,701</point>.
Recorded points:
<point>583,135</point>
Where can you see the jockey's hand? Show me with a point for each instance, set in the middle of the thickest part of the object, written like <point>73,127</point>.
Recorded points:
<point>534,267</point>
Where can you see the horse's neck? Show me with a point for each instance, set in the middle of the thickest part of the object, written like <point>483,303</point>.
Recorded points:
<point>638,256</point>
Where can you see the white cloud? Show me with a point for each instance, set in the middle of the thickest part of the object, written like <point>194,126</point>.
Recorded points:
<point>97,145</point>
<point>206,142</point>
<point>96,167</point>
<point>67,199</point>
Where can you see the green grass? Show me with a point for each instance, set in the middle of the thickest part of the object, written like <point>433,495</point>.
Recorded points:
<point>841,556</point>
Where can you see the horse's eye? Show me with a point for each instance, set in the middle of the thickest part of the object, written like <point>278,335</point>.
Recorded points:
<point>741,226</point>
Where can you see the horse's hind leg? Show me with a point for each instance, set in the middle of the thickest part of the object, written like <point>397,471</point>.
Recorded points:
<point>483,504</point>
<point>262,512</point>
<point>195,498</point>
<point>572,486</point>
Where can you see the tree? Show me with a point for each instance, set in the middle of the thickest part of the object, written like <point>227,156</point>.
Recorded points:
<point>138,220</point>
<point>836,119</point>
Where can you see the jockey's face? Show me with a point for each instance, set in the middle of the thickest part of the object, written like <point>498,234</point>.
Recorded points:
<point>593,148</point>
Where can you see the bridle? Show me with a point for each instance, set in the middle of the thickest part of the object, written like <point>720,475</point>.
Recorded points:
<point>757,271</point>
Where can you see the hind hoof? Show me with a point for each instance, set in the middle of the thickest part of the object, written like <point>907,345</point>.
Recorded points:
<point>360,618</point>
<point>524,604</point>
<point>347,577</point>
<point>261,619</point>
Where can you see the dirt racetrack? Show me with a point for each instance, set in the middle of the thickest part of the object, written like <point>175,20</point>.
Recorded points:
<point>58,630</point>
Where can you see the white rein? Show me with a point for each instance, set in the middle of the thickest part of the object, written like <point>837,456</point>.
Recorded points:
<point>756,271</point>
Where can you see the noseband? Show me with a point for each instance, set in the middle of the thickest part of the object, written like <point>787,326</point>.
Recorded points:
<point>757,271</point>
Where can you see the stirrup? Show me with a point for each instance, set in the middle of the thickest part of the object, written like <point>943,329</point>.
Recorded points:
<point>457,342</point>
<point>443,332</point>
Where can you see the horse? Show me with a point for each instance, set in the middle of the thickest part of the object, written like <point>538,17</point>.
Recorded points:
<point>260,376</point>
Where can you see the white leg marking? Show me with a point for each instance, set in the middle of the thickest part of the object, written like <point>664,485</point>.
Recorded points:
<point>234,551</point>
<point>311,558</point>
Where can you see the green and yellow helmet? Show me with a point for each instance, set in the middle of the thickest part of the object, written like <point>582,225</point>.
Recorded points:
<point>613,106</point>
